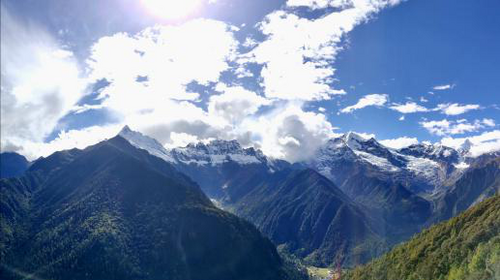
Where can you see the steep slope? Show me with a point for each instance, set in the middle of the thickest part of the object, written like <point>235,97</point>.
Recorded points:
<point>223,169</point>
<point>241,179</point>
<point>480,181</point>
<point>420,168</point>
<point>401,212</point>
<point>12,165</point>
<point>466,247</point>
<point>312,218</point>
<point>112,211</point>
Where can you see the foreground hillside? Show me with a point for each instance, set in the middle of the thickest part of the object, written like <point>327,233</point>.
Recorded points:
<point>112,211</point>
<point>466,247</point>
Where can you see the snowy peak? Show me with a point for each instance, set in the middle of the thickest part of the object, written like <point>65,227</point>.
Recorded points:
<point>353,140</point>
<point>422,165</point>
<point>216,147</point>
<point>125,131</point>
<point>214,153</point>
<point>218,152</point>
<point>436,152</point>
<point>147,143</point>
<point>465,147</point>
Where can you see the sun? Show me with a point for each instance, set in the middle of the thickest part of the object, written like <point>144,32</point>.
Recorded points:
<point>171,9</point>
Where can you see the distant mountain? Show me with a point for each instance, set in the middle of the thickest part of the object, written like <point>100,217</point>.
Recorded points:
<point>12,165</point>
<point>480,181</point>
<point>223,169</point>
<point>420,168</point>
<point>393,193</point>
<point>466,247</point>
<point>308,215</point>
<point>381,179</point>
<point>113,211</point>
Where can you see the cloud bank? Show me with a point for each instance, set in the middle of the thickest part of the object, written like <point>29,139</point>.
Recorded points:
<point>41,81</point>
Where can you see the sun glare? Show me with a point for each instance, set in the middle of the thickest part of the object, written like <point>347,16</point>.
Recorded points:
<point>171,9</point>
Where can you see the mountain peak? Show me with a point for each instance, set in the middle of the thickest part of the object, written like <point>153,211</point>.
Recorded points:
<point>466,146</point>
<point>351,135</point>
<point>147,143</point>
<point>353,140</point>
<point>125,130</point>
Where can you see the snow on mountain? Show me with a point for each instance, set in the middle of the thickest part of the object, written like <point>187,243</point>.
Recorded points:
<point>214,153</point>
<point>465,148</point>
<point>424,165</point>
<point>427,165</point>
<point>147,143</point>
<point>217,152</point>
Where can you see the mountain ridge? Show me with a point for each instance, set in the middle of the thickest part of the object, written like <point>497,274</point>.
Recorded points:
<point>113,211</point>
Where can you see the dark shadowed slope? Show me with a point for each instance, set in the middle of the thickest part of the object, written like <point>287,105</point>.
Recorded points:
<point>466,247</point>
<point>113,211</point>
<point>12,165</point>
<point>478,183</point>
<point>312,218</point>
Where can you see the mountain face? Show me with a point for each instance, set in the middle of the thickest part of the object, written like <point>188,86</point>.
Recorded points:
<point>12,165</point>
<point>223,169</point>
<point>480,181</point>
<point>298,209</point>
<point>381,179</point>
<point>308,215</point>
<point>420,168</point>
<point>113,211</point>
<point>466,247</point>
<point>393,193</point>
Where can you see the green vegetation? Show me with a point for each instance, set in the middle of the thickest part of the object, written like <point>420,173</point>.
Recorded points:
<point>465,248</point>
<point>115,212</point>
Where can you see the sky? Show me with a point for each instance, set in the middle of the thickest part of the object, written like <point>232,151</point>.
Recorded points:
<point>282,76</point>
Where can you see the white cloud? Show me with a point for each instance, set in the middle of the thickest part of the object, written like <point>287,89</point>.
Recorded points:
<point>181,139</point>
<point>409,107</point>
<point>298,52</point>
<point>289,132</point>
<point>484,143</point>
<point>444,87</point>
<point>445,127</point>
<point>489,122</point>
<point>40,82</point>
<point>169,56</point>
<point>402,118</point>
<point>235,104</point>
<point>318,4</point>
<point>67,140</point>
<point>400,142</point>
<point>367,100</point>
<point>453,109</point>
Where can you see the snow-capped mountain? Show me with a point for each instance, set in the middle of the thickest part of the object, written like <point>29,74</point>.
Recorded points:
<point>214,153</point>
<point>218,152</point>
<point>422,167</point>
<point>147,143</point>
<point>399,189</point>
<point>217,166</point>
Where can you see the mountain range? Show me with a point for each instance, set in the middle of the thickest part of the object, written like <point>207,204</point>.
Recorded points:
<point>392,193</point>
<point>349,203</point>
<point>113,211</point>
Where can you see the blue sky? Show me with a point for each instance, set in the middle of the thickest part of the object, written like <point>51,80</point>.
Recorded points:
<point>283,76</point>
